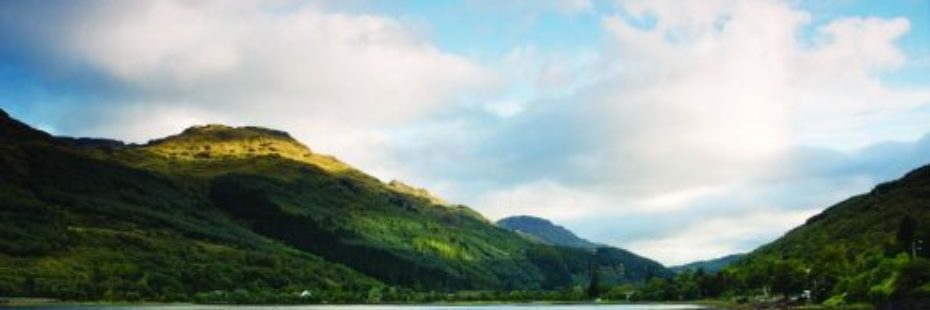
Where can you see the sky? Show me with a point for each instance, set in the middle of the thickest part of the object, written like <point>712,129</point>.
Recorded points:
<point>681,130</point>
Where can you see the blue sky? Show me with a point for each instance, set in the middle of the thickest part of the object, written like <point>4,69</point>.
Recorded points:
<point>680,130</point>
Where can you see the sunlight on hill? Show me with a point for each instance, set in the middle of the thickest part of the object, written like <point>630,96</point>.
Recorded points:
<point>220,142</point>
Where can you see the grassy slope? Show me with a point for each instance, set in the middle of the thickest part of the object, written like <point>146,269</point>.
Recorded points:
<point>280,189</point>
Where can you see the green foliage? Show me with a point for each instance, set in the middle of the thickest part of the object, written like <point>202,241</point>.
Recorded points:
<point>594,283</point>
<point>913,280</point>
<point>856,251</point>
<point>411,243</point>
<point>117,265</point>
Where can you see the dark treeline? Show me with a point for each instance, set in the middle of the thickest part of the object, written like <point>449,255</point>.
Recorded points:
<point>243,277</point>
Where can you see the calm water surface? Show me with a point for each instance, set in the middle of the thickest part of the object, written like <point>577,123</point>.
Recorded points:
<point>367,307</point>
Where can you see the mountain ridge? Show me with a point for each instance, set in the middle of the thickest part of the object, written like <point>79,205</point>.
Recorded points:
<point>546,231</point>
<point>351,232</point>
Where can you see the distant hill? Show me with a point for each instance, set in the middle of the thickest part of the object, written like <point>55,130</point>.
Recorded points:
<point>616,265</point>
<point>546,231</point>
<point>710,266</point>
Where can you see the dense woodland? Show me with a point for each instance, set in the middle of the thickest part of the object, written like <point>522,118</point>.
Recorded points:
<point>869,249</point>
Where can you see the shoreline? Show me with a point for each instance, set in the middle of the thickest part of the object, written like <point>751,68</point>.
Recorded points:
<point>48,302</point>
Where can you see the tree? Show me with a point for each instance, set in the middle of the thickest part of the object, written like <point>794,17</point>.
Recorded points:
<point>594,288</point>
<point>29,286</point>
<point>621,292</point>
<point>905,235</point>
<point>788,276</point>
<point>711,285</point>
<point>913,276</point>
<point>657,289</point>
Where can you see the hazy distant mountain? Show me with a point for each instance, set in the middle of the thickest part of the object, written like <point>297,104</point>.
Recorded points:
<point>710,266</point>
<point>545,231</point>
<point>616,263</point>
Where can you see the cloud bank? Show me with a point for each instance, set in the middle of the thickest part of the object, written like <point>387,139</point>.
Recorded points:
<point>709,128</point>
<point>329,77</point>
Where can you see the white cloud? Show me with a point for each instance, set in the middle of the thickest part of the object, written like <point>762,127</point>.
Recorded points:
<point>857,46</point>
<point>708,105</point>
<point>544,198</point>
<point>536,7</point>
<point>837,90</point>
<point>698,99</point>
<point>331,78</point>
<point>719,236</point>
<point>717,93</point>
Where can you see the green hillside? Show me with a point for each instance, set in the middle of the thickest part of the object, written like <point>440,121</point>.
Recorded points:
<point>866,249</point>
<point>278,188</point>
<point>858,250</point>
<point>77,227</point>
<point>224,213</point>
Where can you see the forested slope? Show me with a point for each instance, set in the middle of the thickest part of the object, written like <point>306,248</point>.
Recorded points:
<point>220,212</point>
